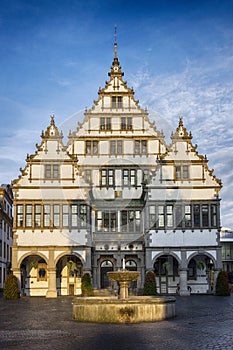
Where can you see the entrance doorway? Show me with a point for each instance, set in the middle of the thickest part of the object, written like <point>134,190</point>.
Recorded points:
<point>167,274</point>
<point>71,289</point>
<point>105,267</point>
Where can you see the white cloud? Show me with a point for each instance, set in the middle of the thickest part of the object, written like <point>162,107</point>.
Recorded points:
<point>203,95</point>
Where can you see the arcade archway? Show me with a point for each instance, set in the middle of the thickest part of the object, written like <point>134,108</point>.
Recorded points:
<point>68,275</point>
<point>166,268</point>
<point>34,276</point>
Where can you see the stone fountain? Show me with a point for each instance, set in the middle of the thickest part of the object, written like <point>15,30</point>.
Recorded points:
<point>123,278</point>
<point>123,309</point>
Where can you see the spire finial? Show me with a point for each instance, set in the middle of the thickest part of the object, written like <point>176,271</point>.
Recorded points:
<point>115,43</point>
<point>181,121</point>
<point>52,119</point>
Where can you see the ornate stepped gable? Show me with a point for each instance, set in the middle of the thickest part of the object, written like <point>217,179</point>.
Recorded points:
<point>51,156</point>
<point>182,167</point>
<point>116,101</point>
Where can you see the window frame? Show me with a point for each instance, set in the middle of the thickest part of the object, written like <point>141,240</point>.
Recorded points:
<point>126,123</point>
<point>130,220</point>
<point>140,147</point>
<point>182,172</point>
<point>20,216</point>
<point>56,215</point>
<point>28,215</point>
<point>105,123</point>
<point>117,102</point>
<point>91,147</point>
<point>107,177</point>
<point>52,171</point>
<point>47,215</point>
<point>37,215</point>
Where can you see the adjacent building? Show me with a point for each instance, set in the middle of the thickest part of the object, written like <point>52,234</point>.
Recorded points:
<point>226,239</point>
<point>6,238</point>
<point>116,191</point>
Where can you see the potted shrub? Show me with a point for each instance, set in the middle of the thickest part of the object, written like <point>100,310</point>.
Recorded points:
<point>200,265</point>
<point>150,284</point>
<point>34,264</point>
<point>11,290</point>
<point>86,285</point>
<point>222,284</point>
<point>72,267</point>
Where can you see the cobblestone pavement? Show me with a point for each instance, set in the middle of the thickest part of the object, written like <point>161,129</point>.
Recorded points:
<point>202,322</point>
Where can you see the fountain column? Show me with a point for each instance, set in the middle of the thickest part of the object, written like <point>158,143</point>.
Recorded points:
<point>124,290</point>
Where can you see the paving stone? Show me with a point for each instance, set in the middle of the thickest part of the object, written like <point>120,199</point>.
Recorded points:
<point>202,323</point>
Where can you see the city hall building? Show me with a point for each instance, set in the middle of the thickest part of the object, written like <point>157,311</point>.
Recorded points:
<point>116,192</point>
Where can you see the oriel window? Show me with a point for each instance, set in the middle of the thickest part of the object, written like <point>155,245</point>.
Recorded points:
<point>178,216</point>
<point>129,177</point>
<point>19,219</point>
<point>205,215</point>
<point>187,216</point>
<point>56,215</point>
<point>65,215</point>
<point>28,215</point>
<point>37,215</point>
<point>107,177</point>
<point>197,221</point>
<point>47,215</point>
<point>83,215</point>
<point>161,215</point>
<point>152,215</point>
<point>74,215</point>
<point>213,215</point>
<point>169,209</point>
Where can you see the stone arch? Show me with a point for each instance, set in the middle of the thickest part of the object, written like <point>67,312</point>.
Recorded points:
<point>200,272</point>
<point>104,269</point>
<point>210,256</point>
<point>33,274</point>
<point>68,252</point>
<point>174,255</point>
<point>26,255</point>
<point>69,271</point>
<point>131,264</point>
<point>166,268</point>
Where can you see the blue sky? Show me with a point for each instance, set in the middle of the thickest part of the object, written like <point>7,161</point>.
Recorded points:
<point>178,56</point>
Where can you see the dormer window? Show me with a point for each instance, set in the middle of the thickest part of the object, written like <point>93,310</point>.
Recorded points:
<point>105,124</point>
<point>52,171</point>
<point>117,102</point>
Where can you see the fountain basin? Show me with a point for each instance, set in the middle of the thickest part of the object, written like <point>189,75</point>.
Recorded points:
<point>123,277</point>
<point>132,310</point>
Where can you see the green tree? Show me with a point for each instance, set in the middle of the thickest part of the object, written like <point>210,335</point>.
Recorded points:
<point>11,290</point>
<point>86,285</point>
<point>150,284</point>
<point>222,284</point>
